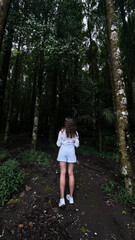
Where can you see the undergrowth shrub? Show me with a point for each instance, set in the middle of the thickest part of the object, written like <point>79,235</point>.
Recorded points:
<point>39,158</point>
<point>11,179</point>
<point>108,187</point>
<point>118,193</point>
<point>112,156</point>
<point>4,153</point>
<point>109,141</point>
<point>87,149</point>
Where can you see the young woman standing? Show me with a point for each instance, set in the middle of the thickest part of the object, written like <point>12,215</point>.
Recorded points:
<point>68,139</point>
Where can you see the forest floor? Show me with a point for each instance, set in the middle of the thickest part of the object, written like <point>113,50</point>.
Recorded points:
<point>36,215</point>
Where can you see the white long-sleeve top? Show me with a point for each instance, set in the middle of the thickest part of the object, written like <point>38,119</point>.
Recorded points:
<point>64,140</point>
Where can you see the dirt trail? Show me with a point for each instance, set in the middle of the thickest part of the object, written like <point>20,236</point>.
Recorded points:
<point>93,216</point>
<point>103,218</point>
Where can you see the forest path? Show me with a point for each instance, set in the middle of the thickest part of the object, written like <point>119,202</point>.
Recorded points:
<point>102,218</point>
<point>93,216</point>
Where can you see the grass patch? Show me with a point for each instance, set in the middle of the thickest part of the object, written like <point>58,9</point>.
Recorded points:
<point>11,178</point>
<point>117,193</point>
<point>39,158</point>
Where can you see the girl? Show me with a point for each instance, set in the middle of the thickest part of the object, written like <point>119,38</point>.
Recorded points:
<point>68,139</point>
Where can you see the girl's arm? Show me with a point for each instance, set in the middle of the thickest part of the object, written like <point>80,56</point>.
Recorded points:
<point>76,140</point>
<point>59,140</point>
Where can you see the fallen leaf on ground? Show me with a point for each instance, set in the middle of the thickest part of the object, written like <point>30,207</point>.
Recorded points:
<point>83,229</point>
<point>20,225</point>
<point>124,212</point>
<point>30,224</point>
<point>83,213</point>
<point>27,188</point>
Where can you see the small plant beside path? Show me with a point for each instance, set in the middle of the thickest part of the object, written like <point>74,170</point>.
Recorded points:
<point>11,178</point>
<point>117,192</point>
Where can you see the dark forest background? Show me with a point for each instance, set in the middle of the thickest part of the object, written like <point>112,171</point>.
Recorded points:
<point>54,63</point>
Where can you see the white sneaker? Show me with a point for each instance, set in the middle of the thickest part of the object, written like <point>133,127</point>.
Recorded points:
<point>62,202</point>
<point>71,200</point>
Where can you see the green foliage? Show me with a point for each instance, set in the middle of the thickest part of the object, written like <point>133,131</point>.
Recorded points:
<point>108,187</point>
<point>118,193</point>
<point>109,116</point>
<point>112,156</point>
<point>39,158</point>
<point>16,200</point>
<point>110,139</point>
<point>4,154</point>
<point>87,149</point>
<point>11,178</point>
<point>123,196</point>
<point>71,37</point>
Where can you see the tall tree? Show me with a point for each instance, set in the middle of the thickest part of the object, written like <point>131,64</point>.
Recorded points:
<point>4,8</point>
<point>5,68</point>
<point>39,76</point>
<point>15,74</point>
<point>128,44</point>
<point>120,99</point>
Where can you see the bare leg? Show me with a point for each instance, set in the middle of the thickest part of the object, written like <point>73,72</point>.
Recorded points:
<point>71,178</point>
<point>62,178</point>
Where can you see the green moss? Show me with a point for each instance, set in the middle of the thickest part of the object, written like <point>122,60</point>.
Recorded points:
<point>49,189</point>
<point>17,200</point>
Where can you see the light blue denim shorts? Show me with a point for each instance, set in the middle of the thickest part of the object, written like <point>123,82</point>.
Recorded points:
<point>67,154</point>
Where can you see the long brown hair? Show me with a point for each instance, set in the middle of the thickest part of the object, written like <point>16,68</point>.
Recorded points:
<point>70,128</point>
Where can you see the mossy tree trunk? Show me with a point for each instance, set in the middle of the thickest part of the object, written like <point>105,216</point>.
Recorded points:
<point>4,8</point>
<point>35,124</point>
<point>129,53</point>
<point>120,100</point>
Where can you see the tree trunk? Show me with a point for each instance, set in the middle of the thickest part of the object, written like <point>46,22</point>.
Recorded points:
<point>13,86</point>
<point>37,102</point>
<point>100,138</point>
<point>33,99</point>
<point>35,125</point>
<point>4,71</point>
<point>61,100</point>
<point>53,109</point>
<point>4,8</point>
<point>129,53</point>
<point>75,95</point>
<point>121,100</point>
<point>91,68</point>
